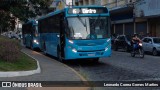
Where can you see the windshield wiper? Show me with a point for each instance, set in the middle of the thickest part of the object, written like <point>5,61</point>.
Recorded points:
<point>98,18</point>
<point>81,21</point>
<point>84,24</point>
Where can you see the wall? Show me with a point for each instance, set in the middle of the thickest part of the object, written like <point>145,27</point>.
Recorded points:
<point>147,8</point>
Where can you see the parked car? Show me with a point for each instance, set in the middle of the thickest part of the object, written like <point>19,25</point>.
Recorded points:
<point>122,42</point>
<point>151,44</point>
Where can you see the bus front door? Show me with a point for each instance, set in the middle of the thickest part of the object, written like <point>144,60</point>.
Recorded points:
<point>62,38</point>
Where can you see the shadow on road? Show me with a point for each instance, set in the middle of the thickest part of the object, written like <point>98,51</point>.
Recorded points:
<point>84,63</point>
<point>79,62</point>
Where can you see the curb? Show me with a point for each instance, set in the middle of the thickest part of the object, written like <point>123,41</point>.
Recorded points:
<point>22,73</point>
<point>77,73</point>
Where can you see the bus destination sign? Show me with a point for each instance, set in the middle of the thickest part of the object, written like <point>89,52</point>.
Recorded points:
<point>87,10</point>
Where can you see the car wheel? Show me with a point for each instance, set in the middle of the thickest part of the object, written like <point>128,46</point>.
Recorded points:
<point>154,52</point>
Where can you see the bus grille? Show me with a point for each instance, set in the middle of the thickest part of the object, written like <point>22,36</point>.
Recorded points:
<point>91,51</point>
<point>89,54</point>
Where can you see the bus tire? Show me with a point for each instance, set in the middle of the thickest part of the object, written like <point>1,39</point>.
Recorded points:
<point>31,45</point>
<point>59,57</point>
<point>44,49</point>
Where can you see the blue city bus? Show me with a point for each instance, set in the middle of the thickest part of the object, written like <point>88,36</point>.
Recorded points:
<point>80,32</point>
<point>30,34</point>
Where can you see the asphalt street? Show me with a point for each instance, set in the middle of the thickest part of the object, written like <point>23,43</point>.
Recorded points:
<point>120,67</point>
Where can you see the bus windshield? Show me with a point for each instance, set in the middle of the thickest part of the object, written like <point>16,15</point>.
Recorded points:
<point>88,27</point>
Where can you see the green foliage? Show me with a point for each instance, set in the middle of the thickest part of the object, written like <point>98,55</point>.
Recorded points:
<point>10,50</point>
<point>6,21</point>
<point>22,9</point>
<point>23,63</point>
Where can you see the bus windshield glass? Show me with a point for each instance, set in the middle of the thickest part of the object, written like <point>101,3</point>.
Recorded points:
<point>88,27</point>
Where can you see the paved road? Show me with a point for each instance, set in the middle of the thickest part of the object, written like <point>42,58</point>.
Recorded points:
<point>120,67</point>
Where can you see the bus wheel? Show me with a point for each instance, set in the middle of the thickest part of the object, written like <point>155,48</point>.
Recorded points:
<point>31,46</point>
<point>44,49</point>
<point>59,55</point>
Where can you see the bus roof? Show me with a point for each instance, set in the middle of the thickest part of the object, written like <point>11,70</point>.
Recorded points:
<point>59,11</point>
<point>50,14</point>
<point>33,21</point>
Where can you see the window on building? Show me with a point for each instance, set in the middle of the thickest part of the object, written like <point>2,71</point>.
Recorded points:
<point>76,3</point>
<point>103,2</point>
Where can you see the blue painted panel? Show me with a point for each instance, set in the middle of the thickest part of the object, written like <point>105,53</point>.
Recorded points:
<point>27,39</point>
<point>88,49</point>
<point>51,41</point>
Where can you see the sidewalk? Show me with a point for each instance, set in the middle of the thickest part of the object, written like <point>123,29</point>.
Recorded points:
<point>51,70</point>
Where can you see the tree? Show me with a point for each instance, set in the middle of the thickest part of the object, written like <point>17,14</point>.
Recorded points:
<point>6,21</point>
<point>22,9</point>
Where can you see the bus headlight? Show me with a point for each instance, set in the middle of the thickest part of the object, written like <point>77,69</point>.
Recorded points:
<point>35,41</point>
<point>140,44</point>
<point>70,41</point>
<point>106,48</point>
<point>74,50</point>
<point>108,40</point>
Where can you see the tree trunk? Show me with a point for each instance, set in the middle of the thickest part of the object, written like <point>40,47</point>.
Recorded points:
<point>1,29</point>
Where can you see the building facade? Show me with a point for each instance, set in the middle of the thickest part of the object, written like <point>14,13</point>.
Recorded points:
<point>123,18</point>
<point>150,10</point>
<point>60,4</point>
<point>87,2</point>
<point>128,16</point>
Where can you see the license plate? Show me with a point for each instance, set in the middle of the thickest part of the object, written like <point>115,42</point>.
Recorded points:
<point>91,54</point>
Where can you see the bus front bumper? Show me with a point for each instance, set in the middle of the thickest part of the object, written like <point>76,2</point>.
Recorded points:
<point>73,54</point>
